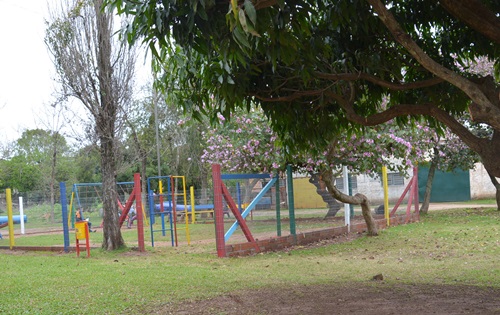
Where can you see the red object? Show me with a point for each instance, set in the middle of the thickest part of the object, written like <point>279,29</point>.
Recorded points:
<point>412,191</point>
<point>219,212</point>
<point>220,190</point>
<point>138,207</point>
<point>174,209</point>
<point>239,218</point>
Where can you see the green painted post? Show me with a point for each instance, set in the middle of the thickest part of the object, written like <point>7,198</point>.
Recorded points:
<point>291,206</point>
<point>278,209</point>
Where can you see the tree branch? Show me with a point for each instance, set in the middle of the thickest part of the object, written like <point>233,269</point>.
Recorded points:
<point>378,81</point>
<point>475,143</point>
<point>469,88</point>
<point>475,14</point>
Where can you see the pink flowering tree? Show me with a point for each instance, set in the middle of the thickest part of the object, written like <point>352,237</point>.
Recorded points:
<point>246,143</point>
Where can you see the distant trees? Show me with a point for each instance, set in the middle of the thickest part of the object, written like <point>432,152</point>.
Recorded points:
<point>39,159</point>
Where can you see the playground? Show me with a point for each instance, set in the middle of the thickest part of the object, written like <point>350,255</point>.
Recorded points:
<point>444,263</point>
<point>243,214</point>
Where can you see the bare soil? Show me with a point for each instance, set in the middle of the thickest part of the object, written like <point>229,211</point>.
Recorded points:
<point>371,298</point>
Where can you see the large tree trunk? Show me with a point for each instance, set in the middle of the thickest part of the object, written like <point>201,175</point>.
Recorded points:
<point>105,124</point>
<point>497,187</point>
<point>358,199</point>
<point>428,186</point>
<point>112,237</point>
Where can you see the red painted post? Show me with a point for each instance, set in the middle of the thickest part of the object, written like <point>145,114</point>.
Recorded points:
<point>138,208</point>
<point>400,200</point>
<point>410,199</point>
<point>174,208</point>
<point>127,206</point>
<point>219,213</point>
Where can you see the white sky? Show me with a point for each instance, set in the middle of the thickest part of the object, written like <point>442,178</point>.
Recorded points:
<point>26,71</point>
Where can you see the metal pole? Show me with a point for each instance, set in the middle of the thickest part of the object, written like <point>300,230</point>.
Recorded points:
<point>64,209</point>
<point>291,205</point>
<point>218,211</point>
<point>347,215</point>
<point>278,209</point>
<point>155,101</point>
<point>21,214</point>
<point>10,220</point>
<point>386,195</point>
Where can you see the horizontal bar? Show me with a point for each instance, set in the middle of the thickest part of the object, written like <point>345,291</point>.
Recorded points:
<point>245,176</point>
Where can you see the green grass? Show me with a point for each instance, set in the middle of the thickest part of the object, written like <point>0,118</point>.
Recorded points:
<point>446,247</point>
<point>482,201</point>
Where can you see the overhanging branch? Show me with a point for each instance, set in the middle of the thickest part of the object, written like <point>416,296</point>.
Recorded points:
<point>376,80</point>
<point>468,87</point>
<point>474,142</point>
<point>475,14</point>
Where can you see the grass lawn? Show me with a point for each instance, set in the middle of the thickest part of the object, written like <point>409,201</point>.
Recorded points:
<point>451,247</point>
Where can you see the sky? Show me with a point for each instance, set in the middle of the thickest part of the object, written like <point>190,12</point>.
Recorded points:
<point>26,70</point>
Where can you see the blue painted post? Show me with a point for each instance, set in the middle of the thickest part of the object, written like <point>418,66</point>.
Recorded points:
<point>64,204</point>
<point>238,195</point>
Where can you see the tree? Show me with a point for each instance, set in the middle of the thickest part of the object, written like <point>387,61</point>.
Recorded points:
<point>97,69</point>
<point>315,66</point>
<point>16,173</point>
<point>46,150</point>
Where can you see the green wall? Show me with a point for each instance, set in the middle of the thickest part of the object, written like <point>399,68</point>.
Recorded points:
<point>446,187</point>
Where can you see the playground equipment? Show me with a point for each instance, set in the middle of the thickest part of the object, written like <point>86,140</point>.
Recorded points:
<point>88,196</point>
<point>412,191</point>
<point>16,218</point>
<point>135,196</point>
<point>82,233</point>
<point>11,219</point>
<point>221,192</point>
<point>164,205</point>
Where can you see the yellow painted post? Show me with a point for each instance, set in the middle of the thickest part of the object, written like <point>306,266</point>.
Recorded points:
<point>386,194</point>
<point>71,217</point>
<point>8,195</point>
<point>193,216</point>
<point>144,217</point>
<point>186,214</point>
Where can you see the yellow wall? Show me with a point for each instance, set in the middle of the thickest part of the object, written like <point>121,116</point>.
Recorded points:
<point>305,196</point>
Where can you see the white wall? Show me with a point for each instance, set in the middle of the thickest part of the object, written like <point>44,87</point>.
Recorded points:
<point>373,189</point>
<point>480,183</point>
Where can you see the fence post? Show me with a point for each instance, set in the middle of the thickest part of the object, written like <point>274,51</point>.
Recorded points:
<point>64,209</point>
<point>291,205</point>
<point>219,214</point>
<point>139,212</point>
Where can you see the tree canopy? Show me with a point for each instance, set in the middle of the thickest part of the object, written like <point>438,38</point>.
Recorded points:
<point>320,68</point>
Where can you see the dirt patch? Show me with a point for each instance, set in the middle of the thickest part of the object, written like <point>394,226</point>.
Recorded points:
<point>371,298</point>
